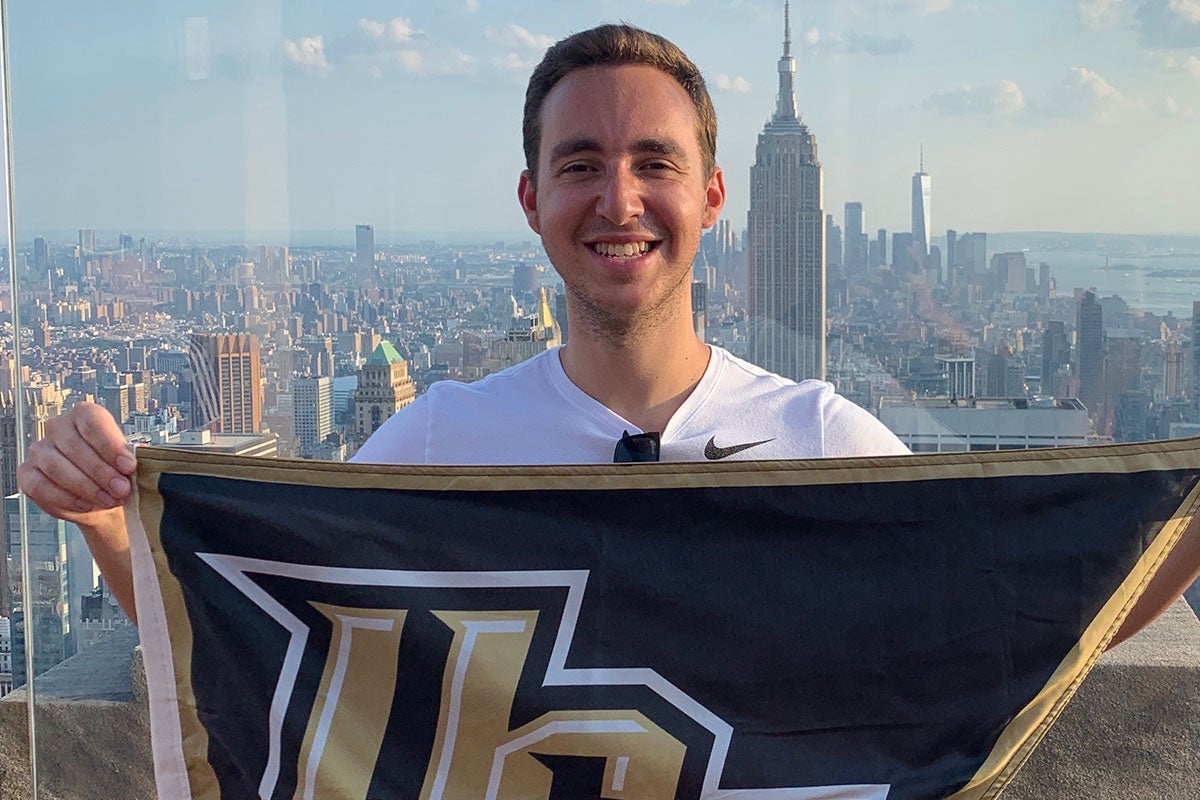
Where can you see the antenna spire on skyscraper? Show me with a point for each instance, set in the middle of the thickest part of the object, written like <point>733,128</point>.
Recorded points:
<point>922,157</point>
<point>785,103</point>
<point>787,29</point>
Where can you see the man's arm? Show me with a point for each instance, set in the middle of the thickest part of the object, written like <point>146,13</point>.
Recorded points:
<point>1178,572</point>
<point>80,472</point>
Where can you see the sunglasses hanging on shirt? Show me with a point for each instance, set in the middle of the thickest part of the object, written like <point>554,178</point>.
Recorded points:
<point>639,447</point>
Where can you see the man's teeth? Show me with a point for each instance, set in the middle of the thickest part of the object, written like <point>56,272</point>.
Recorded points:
<point>626,250</point>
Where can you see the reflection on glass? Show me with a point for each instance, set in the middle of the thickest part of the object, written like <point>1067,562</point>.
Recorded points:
<point>266,231</point>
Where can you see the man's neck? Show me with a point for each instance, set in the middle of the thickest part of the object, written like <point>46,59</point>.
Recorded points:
<point>644,380</point>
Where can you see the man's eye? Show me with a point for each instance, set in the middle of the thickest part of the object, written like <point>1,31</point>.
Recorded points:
<point>657,165</point>
<point>577,167</point>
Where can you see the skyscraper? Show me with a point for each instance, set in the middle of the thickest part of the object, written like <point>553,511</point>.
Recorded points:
<point>833,245</point>
<point>364,249</point>
<point>312,411</point>
<point>1196,360</point>
<point>1056,354</point>
<point>856,254</point>
<point>384,388</point>
<point>786,300</point>
<point>1090,332</point>
<point>41,255</point>
<point>921,230</point>
<point>227,382</point>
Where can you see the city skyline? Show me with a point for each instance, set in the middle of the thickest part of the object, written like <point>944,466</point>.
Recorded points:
<point>316,118</point>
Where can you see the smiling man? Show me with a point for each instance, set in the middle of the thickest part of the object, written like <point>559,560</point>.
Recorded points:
<point>620,182</point>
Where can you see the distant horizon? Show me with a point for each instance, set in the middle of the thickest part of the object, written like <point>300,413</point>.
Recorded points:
<point>331,237</point>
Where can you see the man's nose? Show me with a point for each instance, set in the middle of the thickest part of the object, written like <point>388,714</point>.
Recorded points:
<point>620,198</point>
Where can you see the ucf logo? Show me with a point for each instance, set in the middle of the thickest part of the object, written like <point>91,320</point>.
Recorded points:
<point>620,733</point>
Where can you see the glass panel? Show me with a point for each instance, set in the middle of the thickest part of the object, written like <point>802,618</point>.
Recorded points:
<point>267,228</point>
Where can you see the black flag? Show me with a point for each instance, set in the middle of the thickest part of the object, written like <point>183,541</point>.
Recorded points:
<point>903,628</point>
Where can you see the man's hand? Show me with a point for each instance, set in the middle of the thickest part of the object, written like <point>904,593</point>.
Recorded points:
<point>80,472</point>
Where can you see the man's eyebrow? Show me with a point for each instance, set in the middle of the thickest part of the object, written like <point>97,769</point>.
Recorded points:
<point>662,147</point>
<point>570,147</point>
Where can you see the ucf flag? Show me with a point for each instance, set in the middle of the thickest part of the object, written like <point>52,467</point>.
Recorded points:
<point>903,628</point>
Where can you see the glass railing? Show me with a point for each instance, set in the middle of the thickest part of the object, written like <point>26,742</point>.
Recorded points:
<point>230,229</point>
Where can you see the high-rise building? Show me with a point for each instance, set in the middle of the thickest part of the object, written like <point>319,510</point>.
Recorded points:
<point>1196,360</point>
<point>42,403</point>
<point>786,276</point>
<point>6,684</point>
<point>41,256</point>
<point>951,253</point>
<point>1090,337</point>
<point>881,245</point>
<point>526,337</point>
<point>1056,354</point>
<point>1009,272</point>
<point>700,309</point>
<point>525,278</point>
<point>960,376</point>
<point>226,383</point>
<point>921,230</point>
<point>49,600</point>
<point>903,259</point>
<point>384,388</point>
<point>833,246</point>
<point>364,249</point>
<point>312,411</point>
<point>855,259</point>
<point>87,241</point>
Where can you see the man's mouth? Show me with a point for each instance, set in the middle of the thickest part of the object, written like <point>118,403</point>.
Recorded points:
<point>623,249</point>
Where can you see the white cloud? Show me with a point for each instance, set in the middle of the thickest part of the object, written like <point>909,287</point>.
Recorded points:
<point>308,53</point>
<point>513,62</point>
<point>923,8</point>
<point>1004,99</point>
<point>853,43</point>
<point>377,48</point>
<point>397,29</point>
<point>1189,66</point>
<point>1096,14</point>
<point>515,37</point>
<point>1082,92</point>
<point>732,84</point>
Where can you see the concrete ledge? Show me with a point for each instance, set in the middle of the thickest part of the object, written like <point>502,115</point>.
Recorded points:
<point>1132,732</point>
<point>93,728</point>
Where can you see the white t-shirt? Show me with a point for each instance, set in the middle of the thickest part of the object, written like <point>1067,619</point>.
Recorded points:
<point>532,413</point>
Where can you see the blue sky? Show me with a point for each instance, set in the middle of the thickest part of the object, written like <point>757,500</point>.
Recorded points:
<point>265,116</point>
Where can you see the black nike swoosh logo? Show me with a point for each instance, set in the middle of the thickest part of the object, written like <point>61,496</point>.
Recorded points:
<point>713,453</point>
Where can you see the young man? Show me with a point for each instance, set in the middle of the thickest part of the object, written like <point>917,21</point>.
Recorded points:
<point>620,182</point>
<point>621,178</point>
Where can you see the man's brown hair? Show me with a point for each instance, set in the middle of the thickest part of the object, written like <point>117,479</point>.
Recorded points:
<point>612,46</point>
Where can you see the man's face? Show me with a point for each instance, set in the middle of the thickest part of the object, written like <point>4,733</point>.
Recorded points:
<point>621,196</point>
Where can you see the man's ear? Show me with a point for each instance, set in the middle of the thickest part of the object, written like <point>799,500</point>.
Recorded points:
<point>714,198</point>
<point>527,195</point>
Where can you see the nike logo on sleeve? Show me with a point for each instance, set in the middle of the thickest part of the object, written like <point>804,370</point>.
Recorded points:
<point>714,453</point>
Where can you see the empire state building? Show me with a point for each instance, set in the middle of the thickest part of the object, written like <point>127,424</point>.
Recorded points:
<point>786,239</point>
